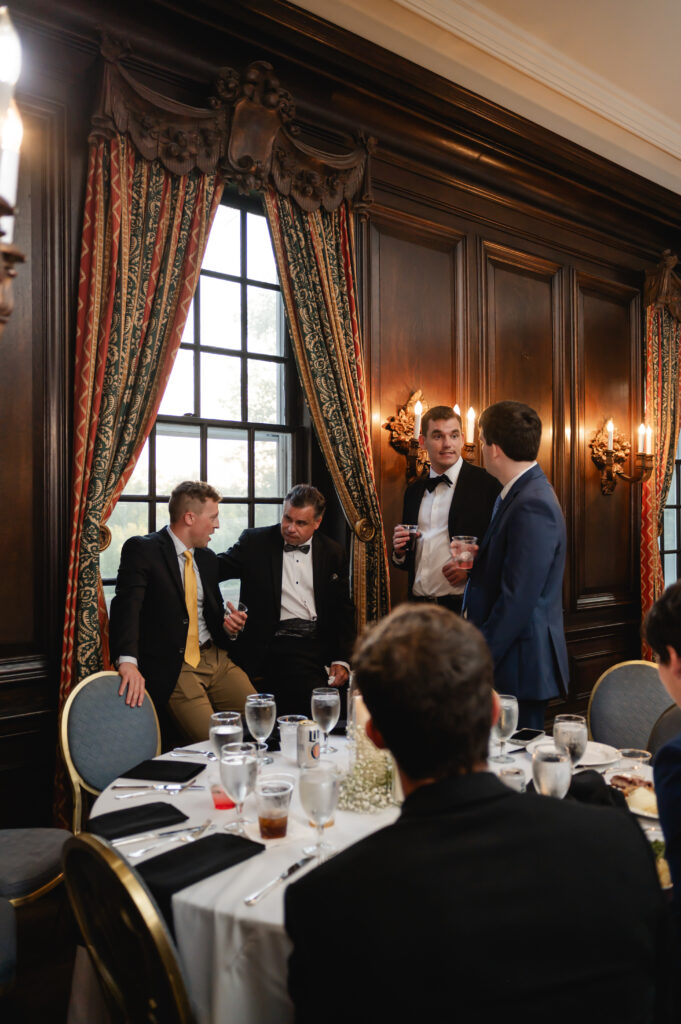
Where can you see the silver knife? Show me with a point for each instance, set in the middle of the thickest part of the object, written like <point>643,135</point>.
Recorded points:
<point>256,896</point>
<point>141,836</point>
<point>182,752</point>
<point>169,787</point>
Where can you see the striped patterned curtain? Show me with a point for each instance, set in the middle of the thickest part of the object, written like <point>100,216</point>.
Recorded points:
<point>144,234</point>
<point>663,413</point>
<point>315,258</point>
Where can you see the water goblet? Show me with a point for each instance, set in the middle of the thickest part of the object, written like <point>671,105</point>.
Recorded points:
<point>551,770</point>
<point>325,712</point>
<point>570,734</point>
<point>225,727</point>
<point>505,726</point>
<point>319,795</point>
<point>632,760</point>
<point>261,714</point>
<point>238,771</point>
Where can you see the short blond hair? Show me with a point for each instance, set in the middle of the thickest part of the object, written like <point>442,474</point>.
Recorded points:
<point>185,494</point>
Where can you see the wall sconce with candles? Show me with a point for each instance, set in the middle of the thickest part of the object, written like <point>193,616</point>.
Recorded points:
<point>405,429</point>
<point>610,450</point>
<point>11,132</point>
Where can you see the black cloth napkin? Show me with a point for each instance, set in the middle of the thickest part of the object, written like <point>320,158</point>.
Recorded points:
<point>589,787</point>
<point>191,862</point>
<point>130,820</point>
<point>164,771</point>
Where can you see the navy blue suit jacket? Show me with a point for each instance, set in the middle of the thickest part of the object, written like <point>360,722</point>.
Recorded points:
<point>667,775</point>
<point>515,591</point>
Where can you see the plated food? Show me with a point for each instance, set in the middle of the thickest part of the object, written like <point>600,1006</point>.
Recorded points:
<point>639,793</point>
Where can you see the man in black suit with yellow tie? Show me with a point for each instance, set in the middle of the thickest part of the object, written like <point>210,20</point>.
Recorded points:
<point>166,630</point>
<point>455,498</point>
<point>478,901</point>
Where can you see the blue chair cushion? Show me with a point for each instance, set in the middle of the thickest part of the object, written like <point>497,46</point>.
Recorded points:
<point>29,859</point>
<point>105,735</point>
<point>8,944</point>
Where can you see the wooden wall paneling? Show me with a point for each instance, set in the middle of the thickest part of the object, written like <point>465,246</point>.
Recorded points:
<point>416,326</point>
<point>608,384</point>
<point>522,331</point>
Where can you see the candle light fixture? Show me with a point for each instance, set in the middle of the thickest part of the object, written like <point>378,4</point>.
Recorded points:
<point>610,450</point>
<point>405,429</point>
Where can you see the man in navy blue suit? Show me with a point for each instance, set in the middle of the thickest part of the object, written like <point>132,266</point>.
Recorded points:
<point>663,633</point>
<point>515,590</point>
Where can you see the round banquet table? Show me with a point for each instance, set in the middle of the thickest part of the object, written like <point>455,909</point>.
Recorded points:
<point>234,956</point>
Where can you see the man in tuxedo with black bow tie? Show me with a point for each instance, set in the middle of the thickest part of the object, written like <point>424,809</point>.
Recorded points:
<point>455,498</point>
<point>299,628</point>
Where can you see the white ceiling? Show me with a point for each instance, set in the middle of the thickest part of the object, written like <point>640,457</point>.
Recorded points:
<point>604,73</point>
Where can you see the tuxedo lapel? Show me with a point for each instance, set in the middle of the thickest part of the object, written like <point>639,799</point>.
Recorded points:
<point>414,497</point>
<point>276,564</point>
<point>170,556</point>
<point>319,571</point>
<point>458,498</point>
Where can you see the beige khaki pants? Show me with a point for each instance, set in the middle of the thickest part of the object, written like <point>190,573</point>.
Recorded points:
<point>216,684</point>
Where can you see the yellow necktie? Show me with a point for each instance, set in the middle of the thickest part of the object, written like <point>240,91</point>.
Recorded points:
<point>192,655</point>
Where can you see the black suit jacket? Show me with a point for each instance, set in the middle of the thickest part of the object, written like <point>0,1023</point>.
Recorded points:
<point>256,559</point>
<point>479,899</point>
<point>149,616</point>
<point>469,513</point>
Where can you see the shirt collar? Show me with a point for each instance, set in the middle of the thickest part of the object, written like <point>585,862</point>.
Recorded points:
<point>180,548</point>
<point>452,472</point>
<point>509,485</point>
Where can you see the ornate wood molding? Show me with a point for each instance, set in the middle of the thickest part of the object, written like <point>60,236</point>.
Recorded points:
<point>663,286</point>
<point>249,134</point>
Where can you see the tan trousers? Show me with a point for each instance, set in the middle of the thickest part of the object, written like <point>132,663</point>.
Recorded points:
<point>216,684</point>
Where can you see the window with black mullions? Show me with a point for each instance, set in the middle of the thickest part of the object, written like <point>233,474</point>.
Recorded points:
<point>670,541</point>
<point>230,409</point>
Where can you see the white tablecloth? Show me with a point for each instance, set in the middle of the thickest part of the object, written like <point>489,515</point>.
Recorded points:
<point>234,956</point>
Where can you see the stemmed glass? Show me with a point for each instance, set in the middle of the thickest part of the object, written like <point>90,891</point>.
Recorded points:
<point>225,727</point>
<point>325,711</point>
<point>506,726</point>
<point>261,714</point>
<point>319,796</point>
<point>238,771</point>
<point>551,770</point>
<point>570,734</point>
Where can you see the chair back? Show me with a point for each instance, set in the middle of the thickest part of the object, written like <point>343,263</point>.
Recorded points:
<point>127,939</point>
<point>625,703</point>
<point>665,729</point>
<point>101,736</point>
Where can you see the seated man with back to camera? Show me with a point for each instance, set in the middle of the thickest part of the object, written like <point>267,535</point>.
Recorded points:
<point>299,628</point>
<point>166,629</point>
<point>478,901</point>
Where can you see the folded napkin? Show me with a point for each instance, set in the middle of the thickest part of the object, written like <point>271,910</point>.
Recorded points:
<point>130,820</point>
<point>164,771</point>
<point>188,863</point>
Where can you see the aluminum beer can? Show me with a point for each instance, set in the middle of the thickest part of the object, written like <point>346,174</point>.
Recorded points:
<point>307,743</point>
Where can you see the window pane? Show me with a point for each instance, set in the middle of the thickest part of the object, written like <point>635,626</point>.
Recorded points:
<point>272,465</point>
<point>260,256</point>
<point>139,479</point>
<point>188,333</point>
<point>177,456</point>
<point>264,322</point>
<point>228,462</point>
<point>670,529</point>
<point>672,497</point>
<point>162,517</point>
<point>265,391</point>
<point>231,591</point>
<point>220,387</point>
<point>178,399</point>
<point>109,591</point>
<point>128,519</point>
<point>223,252</point>
<point>669,570</point>
<point>220,313</point>
<point>233,520</point>
<point>267,515</point>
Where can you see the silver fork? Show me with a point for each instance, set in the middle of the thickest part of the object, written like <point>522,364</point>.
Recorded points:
<point>188,838</point>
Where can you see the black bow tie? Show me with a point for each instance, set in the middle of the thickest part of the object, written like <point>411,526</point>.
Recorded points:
<point>304,548</point>
<point>433,481</point>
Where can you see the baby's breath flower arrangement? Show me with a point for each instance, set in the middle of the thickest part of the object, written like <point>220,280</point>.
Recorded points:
<point>368,785</point>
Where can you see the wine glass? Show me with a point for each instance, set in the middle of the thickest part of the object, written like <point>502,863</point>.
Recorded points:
<point>570,734</point>
<point>505,726</point>
<point>319,796</point>
<point>325,711</point>
<point>551,770</point>
<point>225,727</point>
<point>261,714</point>
<point>238,771</point>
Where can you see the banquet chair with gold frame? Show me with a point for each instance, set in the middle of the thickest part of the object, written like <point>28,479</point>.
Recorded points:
<point>127,939</point>
<point>101,736</point>
<point>625,703</point>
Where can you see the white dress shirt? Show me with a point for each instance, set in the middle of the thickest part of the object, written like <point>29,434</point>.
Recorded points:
<point>432,547</point>
<point>297,586</point>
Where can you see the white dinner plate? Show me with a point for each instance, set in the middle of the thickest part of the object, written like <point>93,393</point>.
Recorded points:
<point>596,755</point>
<point>634,810</point>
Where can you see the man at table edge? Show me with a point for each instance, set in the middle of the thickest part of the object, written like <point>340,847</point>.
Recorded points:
<point>428,904</point>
